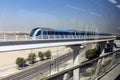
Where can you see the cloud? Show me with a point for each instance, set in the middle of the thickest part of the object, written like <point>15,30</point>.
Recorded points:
<point>96,14</point>
<point>118,6</point>
<point>83,10</point>
<point>113,1</point>
<point>73,7</point>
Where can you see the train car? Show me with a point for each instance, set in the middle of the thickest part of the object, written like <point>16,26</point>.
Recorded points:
<point>48,33</point>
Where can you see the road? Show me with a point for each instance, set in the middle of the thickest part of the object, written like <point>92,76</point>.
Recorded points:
<point>28,74</point>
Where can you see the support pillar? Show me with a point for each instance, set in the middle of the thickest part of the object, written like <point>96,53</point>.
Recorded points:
<point>76,61</point>
<point>101,46</point>
<point>100,62</point>
<point>66,76</point>
<point>111,43</point>
<point>113,59</point>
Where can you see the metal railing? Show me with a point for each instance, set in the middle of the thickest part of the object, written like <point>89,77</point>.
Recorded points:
<point>90,70</point>
<point>13,36</point>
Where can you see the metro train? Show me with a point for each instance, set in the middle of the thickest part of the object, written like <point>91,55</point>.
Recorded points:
<point>48,33</point>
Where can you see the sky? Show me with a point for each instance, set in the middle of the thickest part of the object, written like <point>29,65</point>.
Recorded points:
<point>88,15</point>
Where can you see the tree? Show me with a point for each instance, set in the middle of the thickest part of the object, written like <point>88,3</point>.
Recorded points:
<point>31,58</point>
<point>91,53</point>
<point>20,62</point>
<point>41,55</point>
<point>48,54</point>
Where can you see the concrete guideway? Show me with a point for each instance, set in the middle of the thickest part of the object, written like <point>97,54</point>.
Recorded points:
<point>32,44</point>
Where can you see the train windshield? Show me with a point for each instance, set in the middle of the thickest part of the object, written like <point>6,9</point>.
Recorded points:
<point>32,32</point>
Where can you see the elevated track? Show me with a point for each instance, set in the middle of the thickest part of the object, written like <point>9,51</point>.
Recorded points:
<point>32,44</point>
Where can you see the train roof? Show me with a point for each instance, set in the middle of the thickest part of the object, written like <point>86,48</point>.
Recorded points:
<point>61,30</point>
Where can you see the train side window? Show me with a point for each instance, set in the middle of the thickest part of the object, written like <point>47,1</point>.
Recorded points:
<point>50,32</point>
<point>73,33</point>
<point>44,32</point>
<point>77,33</point>
<point>56,33</point>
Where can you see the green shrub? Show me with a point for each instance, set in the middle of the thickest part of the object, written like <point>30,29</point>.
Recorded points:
<point>20,62</point>
<point>31,57</point>
<point>41,55</point>
<point>90,53</point>
<point>48,54</point>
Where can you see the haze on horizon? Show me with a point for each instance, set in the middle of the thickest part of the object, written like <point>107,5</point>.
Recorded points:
<point>24,15</point>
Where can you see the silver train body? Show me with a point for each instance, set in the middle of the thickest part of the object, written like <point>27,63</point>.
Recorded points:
<point>48,33</point>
